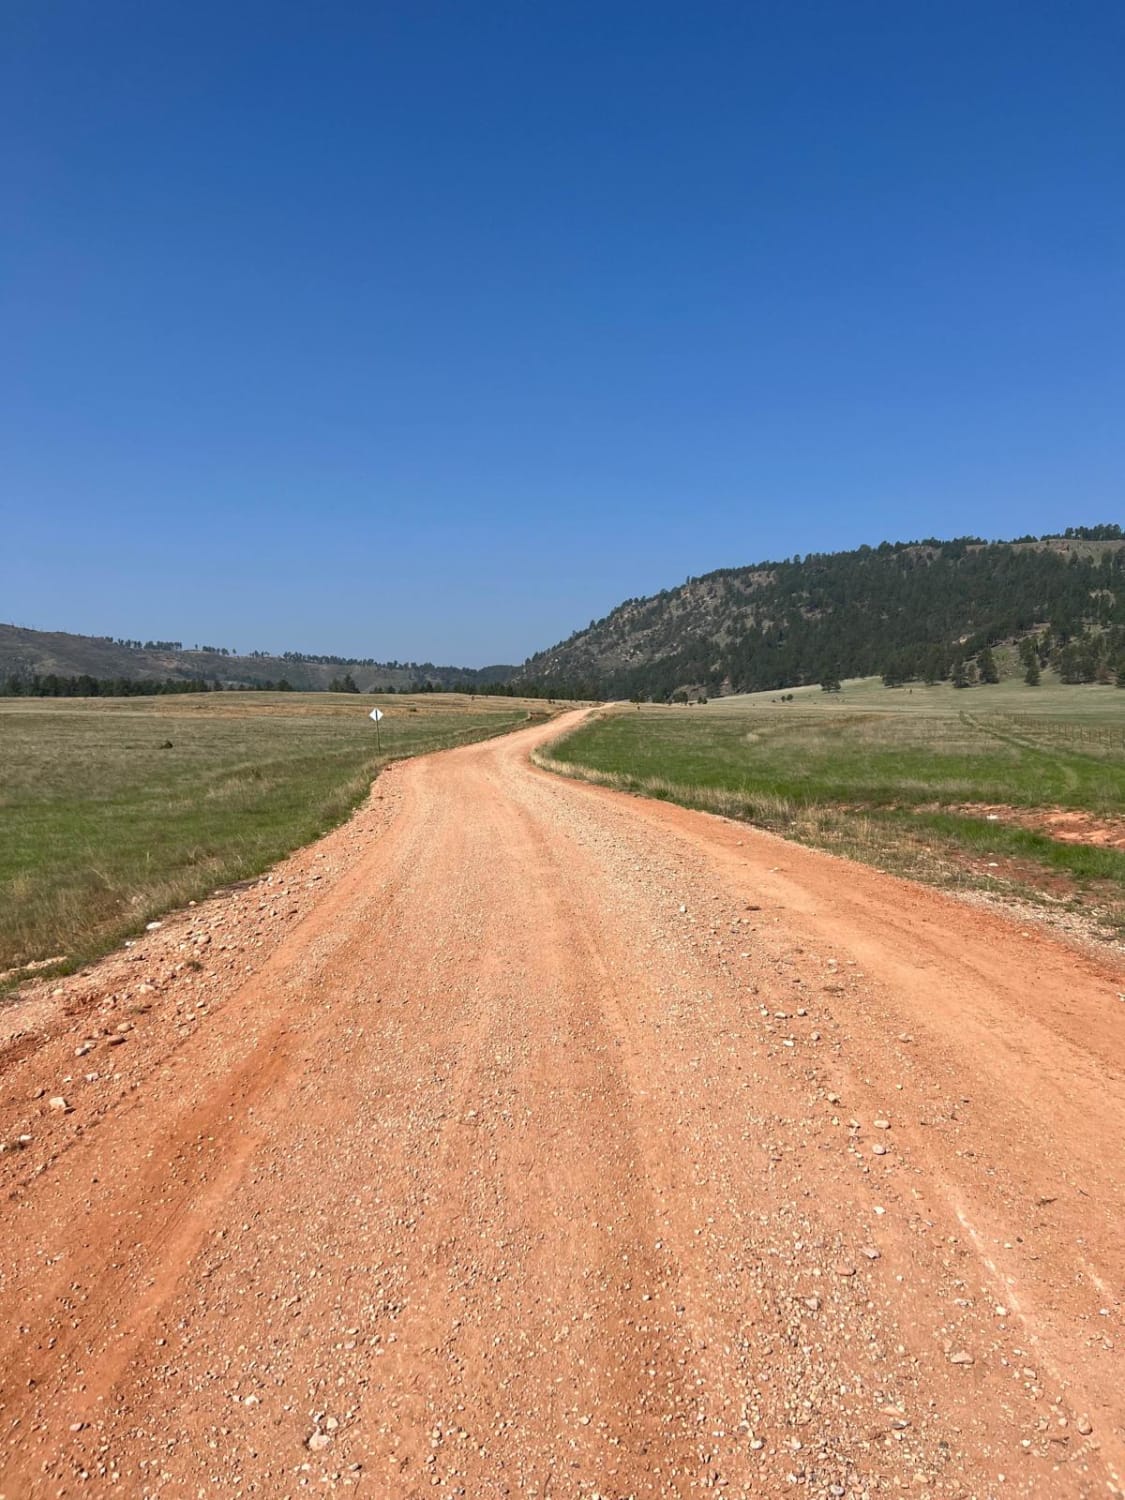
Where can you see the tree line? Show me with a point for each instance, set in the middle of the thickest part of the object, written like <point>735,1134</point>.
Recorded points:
<point>52,685</point>
<point>83,685</point>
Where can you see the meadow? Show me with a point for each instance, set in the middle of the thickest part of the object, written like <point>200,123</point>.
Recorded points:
<point>116,810</point>
<point>1003,787</point>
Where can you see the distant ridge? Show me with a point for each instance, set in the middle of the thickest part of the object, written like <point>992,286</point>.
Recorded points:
<point>29,653</point>
<point>908,610</point>
<point>923,610</point>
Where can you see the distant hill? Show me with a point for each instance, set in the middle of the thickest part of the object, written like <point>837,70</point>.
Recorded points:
<point>25,654</point>
<point>908,610</point>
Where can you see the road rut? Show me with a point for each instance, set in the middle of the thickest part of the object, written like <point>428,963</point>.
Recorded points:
<point>564,1144</point>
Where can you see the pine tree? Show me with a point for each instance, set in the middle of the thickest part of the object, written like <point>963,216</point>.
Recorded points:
<point>987,668</point>
<point>1031,676</point>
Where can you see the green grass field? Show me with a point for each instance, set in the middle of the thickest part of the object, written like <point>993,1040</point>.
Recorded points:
<point>906,779</point>
<point>105,829</point>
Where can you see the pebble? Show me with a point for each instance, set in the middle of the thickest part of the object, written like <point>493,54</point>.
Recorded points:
<point>317,1441</point>
<point>1085,1426</point>
<point>962,1357</point>
<point>58,1104</point>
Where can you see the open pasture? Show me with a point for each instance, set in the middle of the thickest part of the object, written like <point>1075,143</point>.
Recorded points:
<point>985,786</point>
<point>880,748</point>
<point>114,810</point>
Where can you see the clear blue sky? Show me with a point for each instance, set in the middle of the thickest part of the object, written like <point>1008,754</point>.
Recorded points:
<point>432,329</point>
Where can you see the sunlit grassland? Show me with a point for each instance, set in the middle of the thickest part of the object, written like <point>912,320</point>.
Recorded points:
<point>104,824</point>
<point>903,778</point>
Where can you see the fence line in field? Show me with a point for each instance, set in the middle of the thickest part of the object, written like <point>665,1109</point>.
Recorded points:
<point>1074,734</point>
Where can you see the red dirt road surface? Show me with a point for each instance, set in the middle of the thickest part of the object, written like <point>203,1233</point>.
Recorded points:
<point>525,1139</point>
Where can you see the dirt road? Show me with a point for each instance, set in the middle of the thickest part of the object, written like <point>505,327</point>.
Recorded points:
<point>523,1139</point>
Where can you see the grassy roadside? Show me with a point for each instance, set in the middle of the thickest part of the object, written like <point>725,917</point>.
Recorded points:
<point>115,811</point>
<point>1004,790</point>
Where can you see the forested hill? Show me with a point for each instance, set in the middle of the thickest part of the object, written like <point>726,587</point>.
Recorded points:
<point>27,656</point>
<point>908,610</point>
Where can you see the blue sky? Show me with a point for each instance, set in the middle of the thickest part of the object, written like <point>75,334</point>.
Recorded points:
<point>432,330</point>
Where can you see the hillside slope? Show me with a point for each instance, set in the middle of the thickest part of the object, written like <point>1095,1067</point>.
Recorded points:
<point>913,609</point>
<point>28,653</point>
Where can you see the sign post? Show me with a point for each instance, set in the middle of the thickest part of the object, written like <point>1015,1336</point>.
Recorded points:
<point>377,714</point>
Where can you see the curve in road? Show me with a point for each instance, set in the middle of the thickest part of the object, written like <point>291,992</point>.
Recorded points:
<point>564,1144</point>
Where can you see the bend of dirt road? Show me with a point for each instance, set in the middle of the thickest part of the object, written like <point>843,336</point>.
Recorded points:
<point>526,1139</point>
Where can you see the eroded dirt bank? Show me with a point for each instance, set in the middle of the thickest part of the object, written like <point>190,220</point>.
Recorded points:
<point>555,1143</point>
